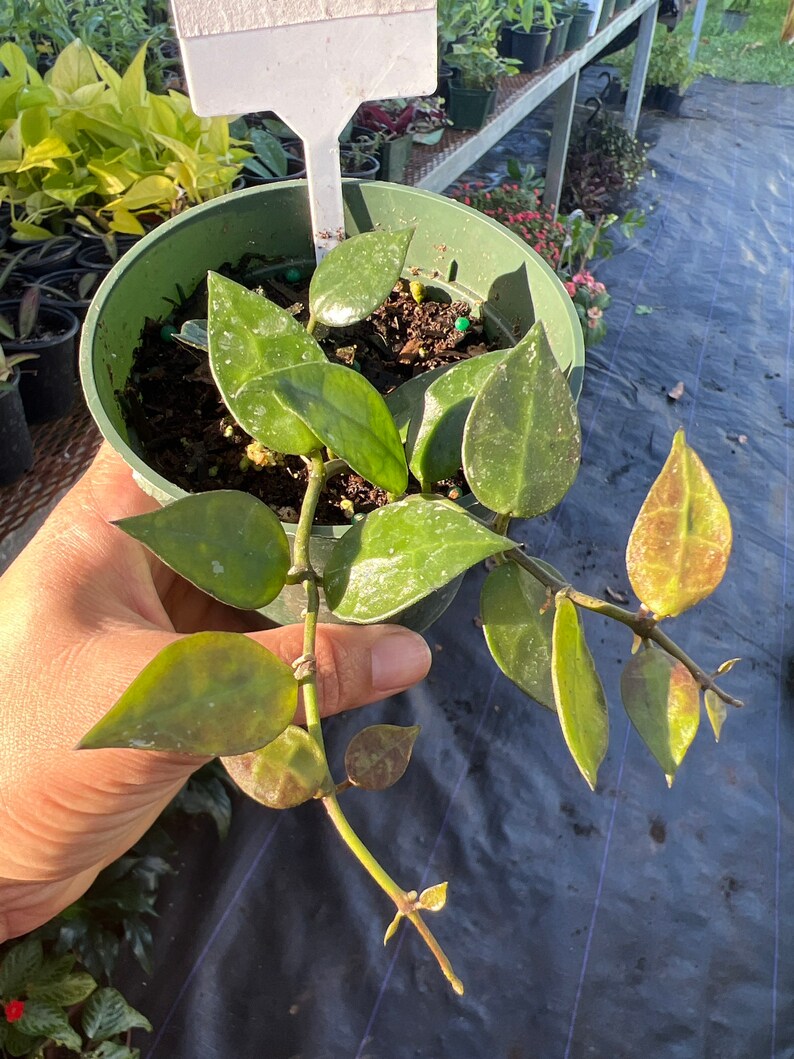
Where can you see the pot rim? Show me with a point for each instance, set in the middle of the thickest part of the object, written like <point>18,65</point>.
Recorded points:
<point>142,470</point>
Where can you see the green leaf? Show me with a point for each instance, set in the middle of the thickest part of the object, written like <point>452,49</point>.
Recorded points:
<point>112,1050</point>
<point>643,310</point>
<point>194,333</point>
<point>73,68</point>
<point>288,772</point>
<point>72,989</point>
<point>581,706</point>
<point>210,693</point>
<point>405,401</point>
<point>264,412</point>
<point>681,541</point>
<point>16,1042</point>
<point>227,543</point>
<point>242,326</point>
<point>377,757</point>
<point>269,152</point>
<point>662,700</point>
<point>20,968</point>
<point>107,1013</point>
<point>43,1019</point>
<point>517,622</point>
<point>522,440</point>
<point>348,415</point>
<point>716,710</point>
<point>436,431</point>
<point>434,898</point>
<point>357,276</point>
<point>206,796</point>
<point>401,553</point>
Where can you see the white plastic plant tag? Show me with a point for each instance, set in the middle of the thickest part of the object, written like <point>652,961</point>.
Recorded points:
<point>313,62</point>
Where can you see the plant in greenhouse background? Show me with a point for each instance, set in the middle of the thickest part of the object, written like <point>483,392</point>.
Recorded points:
<point>506,420</point>
<point>85,138</point>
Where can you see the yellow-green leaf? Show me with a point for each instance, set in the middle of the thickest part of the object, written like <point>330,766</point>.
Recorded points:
<point>716,710</point>
<point>679,547</point>
<point>226,542</point>
<point>662,700</point>
<point>391,930</point>
<point>44,153</point>
<point>433,898</point>
<point>150,191</point>
<point>289,771</point>
<point>211,693</point>
<point>579,696</point>
<point>518,623</point>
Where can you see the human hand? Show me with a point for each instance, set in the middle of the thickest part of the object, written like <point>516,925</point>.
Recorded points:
<point>83,610</point>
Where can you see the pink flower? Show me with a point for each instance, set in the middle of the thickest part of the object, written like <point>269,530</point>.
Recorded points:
<point>594,313</point>
<point>571,288</point>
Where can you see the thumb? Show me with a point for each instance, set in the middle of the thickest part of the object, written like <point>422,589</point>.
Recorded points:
<point>356,664</point>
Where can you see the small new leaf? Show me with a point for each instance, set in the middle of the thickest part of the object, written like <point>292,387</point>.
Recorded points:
<point>716,711</point>
<point>679,547</point>
<point>377,757</point>
<point>433,898</point>
<point>662,700</point>
<point>210,693</point>
<point>357,276</point>
<point>391,930</point>
<point>227,543</point>
<point>372,574</point>
<point>581,705</point>
<point>289,771</point>
<point>522,441</point>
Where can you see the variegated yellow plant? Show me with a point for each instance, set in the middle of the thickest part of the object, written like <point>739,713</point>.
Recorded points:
<point>86,138</point>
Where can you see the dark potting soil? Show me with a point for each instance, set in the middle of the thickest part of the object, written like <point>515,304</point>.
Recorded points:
<point>189,437</point>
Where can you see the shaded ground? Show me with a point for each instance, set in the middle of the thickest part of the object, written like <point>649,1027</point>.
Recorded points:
<point>633,921</point>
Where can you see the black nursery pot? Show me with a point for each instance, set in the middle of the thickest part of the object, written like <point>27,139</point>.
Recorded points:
<point>530,48</point>
<point>50,256</point>
<point>67,282</point>
<point>16,446</point>
<point>47,386</point>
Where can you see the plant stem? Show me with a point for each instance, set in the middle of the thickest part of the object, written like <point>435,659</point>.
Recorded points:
<point>640,623</point>
<point>312,323</point>
<point>308,577</point>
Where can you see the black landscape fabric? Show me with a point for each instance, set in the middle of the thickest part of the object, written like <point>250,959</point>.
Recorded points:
<point>633,921</point>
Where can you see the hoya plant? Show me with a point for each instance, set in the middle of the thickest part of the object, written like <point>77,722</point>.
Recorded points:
<point>506,420</point>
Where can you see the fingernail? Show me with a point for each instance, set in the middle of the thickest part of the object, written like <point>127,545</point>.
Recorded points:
<point>399,658</point>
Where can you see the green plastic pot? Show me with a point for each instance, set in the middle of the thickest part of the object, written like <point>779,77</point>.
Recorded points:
<point>457,251</point>
<point>579,29</point>
<point>470,108</point>
<point>393,157</point>
<point>607,11</point>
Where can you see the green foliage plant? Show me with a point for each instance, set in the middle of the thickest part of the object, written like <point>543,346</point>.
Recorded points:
<point>116,29</point>
<point>85,139</point>
<point>47,1003</point>
<point>480,64</point>
<point>669,64</point>
<point>508,419</point>
<point>528,13</point>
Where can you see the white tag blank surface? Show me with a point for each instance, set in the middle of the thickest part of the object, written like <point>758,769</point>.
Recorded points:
<point>314,75</point>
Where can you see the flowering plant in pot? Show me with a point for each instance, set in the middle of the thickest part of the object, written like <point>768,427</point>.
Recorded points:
<point>508,418</point>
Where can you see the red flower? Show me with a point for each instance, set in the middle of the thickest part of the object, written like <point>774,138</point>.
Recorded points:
<point>14,1010</point>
